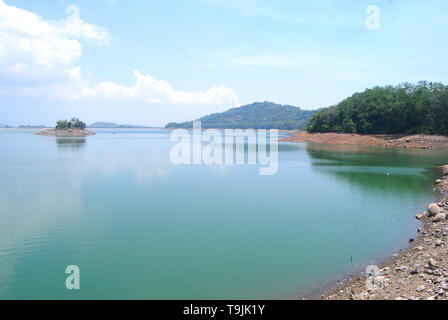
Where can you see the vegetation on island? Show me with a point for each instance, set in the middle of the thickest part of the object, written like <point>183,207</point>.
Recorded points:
<point>66,128</point>
<point>74,123</point>
<point>406,108</point>
<point>258,115</point>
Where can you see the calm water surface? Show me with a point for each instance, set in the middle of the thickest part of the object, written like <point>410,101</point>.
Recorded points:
<point>141,228</point>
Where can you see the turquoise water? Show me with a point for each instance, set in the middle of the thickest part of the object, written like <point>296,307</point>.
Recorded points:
<point>139,227</point>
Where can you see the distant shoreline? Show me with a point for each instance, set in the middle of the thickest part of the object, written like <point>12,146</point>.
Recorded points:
<point>26,128</point>
<point>45,128</point>
<point>134,128</point>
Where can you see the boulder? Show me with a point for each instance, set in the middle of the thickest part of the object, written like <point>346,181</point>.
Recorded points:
<point>432,262</point>
<point>439,217</point>
<point>420,216</point>
<point>444,170</point>
<point>420,288</point>
<point>434,209</point>
<point>438,243</point>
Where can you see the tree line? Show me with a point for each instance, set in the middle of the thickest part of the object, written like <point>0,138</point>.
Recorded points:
<point>74,123</point>
<point>407,108</point>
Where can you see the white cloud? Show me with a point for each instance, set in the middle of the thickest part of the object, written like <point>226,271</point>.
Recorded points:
<point>148,89</point>
<point>47,51</point>
<point>75,27</point>
<point>30,45</point>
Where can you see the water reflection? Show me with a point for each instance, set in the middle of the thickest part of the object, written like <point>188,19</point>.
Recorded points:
<point>377,168</point>
<point>71,144</point>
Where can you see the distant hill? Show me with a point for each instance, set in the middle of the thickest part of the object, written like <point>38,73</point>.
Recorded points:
<point>258,115</point>
<point>407,108</point>
<point>23,126</point>
<point>114,125</point>
<point>31,127</point>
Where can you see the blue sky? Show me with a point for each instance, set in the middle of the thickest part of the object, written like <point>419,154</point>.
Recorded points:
<point>152,62</point>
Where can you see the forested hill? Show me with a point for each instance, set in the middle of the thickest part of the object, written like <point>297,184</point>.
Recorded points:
<point>407,108</point>
<point>258,115</point>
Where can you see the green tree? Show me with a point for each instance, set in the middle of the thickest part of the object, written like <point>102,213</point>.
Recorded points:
<point>74,123</point>
<point>406,108</point>
<point>62,124</point>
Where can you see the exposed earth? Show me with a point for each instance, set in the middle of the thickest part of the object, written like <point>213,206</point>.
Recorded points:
<point>397,141</point>
<point>65,133</point>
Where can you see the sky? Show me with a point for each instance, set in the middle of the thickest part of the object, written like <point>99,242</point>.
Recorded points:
<point>149,62</point>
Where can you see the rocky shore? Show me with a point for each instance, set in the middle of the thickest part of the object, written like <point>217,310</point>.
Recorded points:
<point>419,272</point>
<point>392,141</point>
<point>65,133</point>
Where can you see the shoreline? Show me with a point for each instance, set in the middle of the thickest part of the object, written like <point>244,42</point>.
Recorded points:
<point>418,272</point>
<point>65,133</point>
<point>392,141</point>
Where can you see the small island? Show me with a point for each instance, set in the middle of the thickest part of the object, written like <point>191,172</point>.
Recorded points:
<point>65,128</point>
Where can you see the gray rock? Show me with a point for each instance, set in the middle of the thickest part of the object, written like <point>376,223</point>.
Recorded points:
<point>444,286</point>
<point>439,217</point>
<point>401,269</point>
<point>420,288</point>
<point>420,216</point>
<point>440,280</point>
<point>438,243</point>
<point>415,271</point>
<point>434,209</point>
<point>432,262</point>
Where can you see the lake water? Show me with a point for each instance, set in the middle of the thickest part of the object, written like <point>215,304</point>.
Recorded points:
<point>140,227</point>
